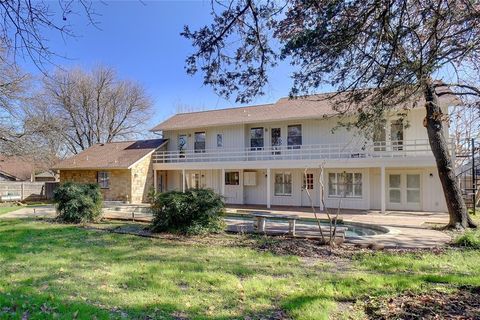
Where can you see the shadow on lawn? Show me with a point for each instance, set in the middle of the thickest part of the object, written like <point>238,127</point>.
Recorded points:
<point>21,304</point>
<point>63,268</point>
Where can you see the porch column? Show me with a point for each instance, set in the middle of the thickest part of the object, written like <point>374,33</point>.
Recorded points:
<point>269,192</point>
<point>183,180</point>
<point>382,189</point>
<point>222,182</point>
<point>320,190</point>
<point>155,180</point>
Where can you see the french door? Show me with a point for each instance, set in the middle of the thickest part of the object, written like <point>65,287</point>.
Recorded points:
<point>404,191</point>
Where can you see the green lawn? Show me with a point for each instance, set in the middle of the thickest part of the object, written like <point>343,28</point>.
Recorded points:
<point>7,209</point>
<point>62,271</point>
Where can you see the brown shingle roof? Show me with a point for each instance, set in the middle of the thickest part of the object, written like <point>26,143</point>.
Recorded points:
<point>308,107</point>
<point>17,167</point>
<point>114,155</point>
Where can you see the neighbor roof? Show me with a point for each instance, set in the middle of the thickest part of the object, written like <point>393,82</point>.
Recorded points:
<point>114,155</point>
<point>308,107</point>
<point>20,168</point>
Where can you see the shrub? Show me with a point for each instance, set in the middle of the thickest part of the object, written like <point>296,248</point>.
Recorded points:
<point>77,202</point>
<point>197,211</point>
<point>470,239</point>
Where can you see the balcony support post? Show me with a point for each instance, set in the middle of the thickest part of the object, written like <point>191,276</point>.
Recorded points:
<point>222,182</point>
<point>321,191</point>
<point>183,180</point>
<point>155,180</point>
<point>269,192</point>
<point>382,189</point>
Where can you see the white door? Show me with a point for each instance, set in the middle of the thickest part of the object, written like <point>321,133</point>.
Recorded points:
<point>196,180</point>
<point>309,190</point>
<point>233,191</point>
<point>404,191</point>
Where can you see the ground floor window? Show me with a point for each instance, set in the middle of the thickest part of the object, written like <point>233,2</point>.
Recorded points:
<point>232,178</point>
<point>345,184</point>
<point>283,184</point>
<point>103,179</point>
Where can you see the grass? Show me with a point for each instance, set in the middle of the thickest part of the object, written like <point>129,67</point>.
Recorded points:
<point>66,272</point>
<point>7,209</point>
<point>470,238</point>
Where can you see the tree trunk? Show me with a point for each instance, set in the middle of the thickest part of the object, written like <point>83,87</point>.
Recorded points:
<point>457,209</point>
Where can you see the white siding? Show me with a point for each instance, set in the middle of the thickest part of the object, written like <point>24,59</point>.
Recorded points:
<point>316,131</point>
<point>232,137</point>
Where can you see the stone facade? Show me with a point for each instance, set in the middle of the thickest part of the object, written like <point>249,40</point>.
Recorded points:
<point>120,182</point>
<point>142,179</point>
<point>131,185</point>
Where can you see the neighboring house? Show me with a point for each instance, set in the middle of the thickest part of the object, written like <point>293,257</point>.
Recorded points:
<point>124,170</point>
<point>24,169</point>
<point>271,155</point>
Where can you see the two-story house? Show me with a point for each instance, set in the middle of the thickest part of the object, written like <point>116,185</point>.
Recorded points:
<point>271,155</point>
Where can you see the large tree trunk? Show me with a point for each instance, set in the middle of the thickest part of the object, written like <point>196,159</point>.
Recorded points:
<point>457,210</point>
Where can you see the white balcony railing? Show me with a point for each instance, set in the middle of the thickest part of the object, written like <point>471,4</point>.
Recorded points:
<point>405,148</point>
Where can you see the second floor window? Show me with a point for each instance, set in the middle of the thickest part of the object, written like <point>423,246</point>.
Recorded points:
<point>396,134</point>
<point>294,138</point>
<point>103,179</point>
<point>199,141</point>
<point>219,140</point>
<point>256,138</point>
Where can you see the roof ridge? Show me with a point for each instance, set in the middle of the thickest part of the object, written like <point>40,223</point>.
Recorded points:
<point>228,108</point>
<point>125,141</point>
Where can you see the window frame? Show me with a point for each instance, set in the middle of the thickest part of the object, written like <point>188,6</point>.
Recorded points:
<point>196,142</point>
<point>341,187</point>
<point>308,181</point>
<point>103,180</point>
<point>235,180</point>
<point>283,193</point>
<point>290,145</point>
<point>257,139</point>
<point>219,135</point>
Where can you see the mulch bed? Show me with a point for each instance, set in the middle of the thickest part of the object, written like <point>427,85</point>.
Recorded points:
<point>463,304</point>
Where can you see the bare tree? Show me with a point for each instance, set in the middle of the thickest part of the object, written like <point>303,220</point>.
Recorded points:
<point>13,92</point>
<point>85,108</point>
<point>464,125</point>
<point>23,25</point>
<point>380,55</point>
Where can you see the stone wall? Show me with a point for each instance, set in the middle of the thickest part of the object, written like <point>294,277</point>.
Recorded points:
<point>120,182</point>
<point>142,180</point>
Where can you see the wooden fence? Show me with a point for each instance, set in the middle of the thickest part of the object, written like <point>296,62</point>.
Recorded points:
<point>28,191</point>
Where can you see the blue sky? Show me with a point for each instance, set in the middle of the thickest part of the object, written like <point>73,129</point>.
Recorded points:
<point>142,41</point>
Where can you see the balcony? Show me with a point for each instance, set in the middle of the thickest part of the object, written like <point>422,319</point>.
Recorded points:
<point>389,149</point>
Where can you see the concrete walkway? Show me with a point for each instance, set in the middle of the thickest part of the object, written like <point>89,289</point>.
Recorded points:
<point>406,229</point>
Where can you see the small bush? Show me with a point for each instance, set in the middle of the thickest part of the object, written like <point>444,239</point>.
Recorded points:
<point>197,211</point>
<point>470,239</point>
<point>77,202</point>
